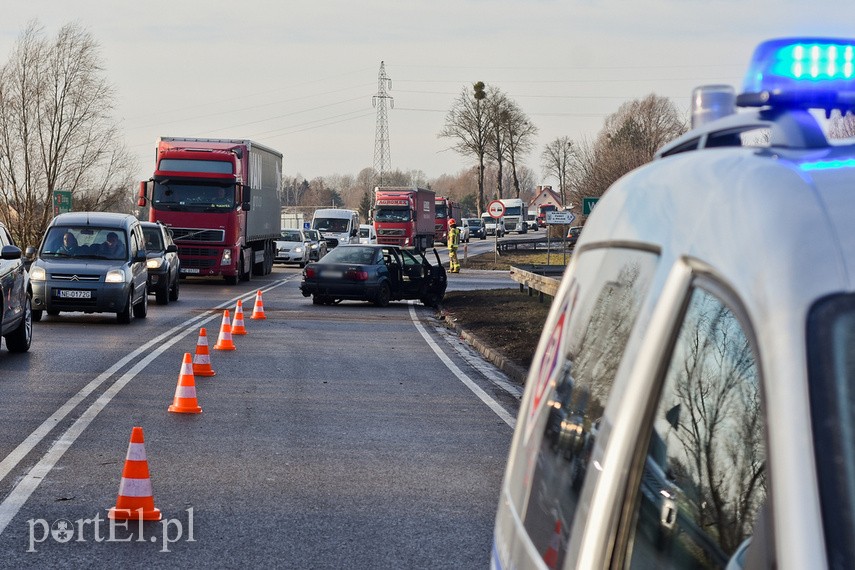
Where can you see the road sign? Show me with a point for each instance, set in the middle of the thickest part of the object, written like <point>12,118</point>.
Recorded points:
<point>307,225</point>
<point>588,205</point>
<point>61,201</point>
<point>562,218</point>
<point>496,209</point>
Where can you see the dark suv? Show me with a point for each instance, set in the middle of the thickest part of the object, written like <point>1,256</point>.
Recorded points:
<point>16,314</point>
<point>94,262</point>
<point>164,267</point>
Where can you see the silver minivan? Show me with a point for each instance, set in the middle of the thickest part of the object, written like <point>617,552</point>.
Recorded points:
<point>692,400</point>
<point>93,262</point>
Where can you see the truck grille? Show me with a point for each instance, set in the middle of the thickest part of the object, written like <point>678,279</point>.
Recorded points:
<point>390,232</point>
<point>191,234</point>
<point>197,252</point>
<point>198,263</point>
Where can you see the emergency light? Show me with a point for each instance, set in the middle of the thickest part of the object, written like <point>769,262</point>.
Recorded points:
<point>805,73</point>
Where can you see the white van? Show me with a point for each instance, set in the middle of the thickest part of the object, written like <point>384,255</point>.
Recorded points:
<point>367,233</point>
<point>337,225</point>
<point>690,404</point>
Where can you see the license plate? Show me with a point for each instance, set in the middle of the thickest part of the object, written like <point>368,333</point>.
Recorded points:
<point>332,274</point>
<point>189,270</point>
<point>74,294</point>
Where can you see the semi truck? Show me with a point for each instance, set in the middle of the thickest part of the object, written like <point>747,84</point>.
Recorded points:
<point>404,216</point>
<point>446,209</point>
<point>516,213</point>
<point>541,213</point>
<point>220,198</point>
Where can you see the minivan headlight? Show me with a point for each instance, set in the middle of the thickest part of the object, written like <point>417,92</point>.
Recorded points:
<point>154,262</point>
<point>115,276</point>
<point>37,274</point>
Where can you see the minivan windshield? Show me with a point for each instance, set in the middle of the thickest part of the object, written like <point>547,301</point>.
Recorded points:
<point>85,242</point>
<point>335,225</point>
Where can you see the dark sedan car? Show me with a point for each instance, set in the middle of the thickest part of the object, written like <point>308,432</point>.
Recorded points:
<point>16,314</point>
<point>375,273</point>
<point>164,267</point>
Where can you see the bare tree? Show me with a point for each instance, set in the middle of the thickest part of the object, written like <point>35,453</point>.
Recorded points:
<point>56,132</point>
<point>468,124</point>
<point>521,140</point>
<point>842,127</point>
<point>556,159</point>
<point>498,107</point>
<point>629,138</point>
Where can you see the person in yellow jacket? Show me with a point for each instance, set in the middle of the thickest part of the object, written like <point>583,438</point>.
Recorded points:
<point>453,244</point>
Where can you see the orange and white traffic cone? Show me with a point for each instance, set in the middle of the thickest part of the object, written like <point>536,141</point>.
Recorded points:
<point>224,341</point>
<point>550,557</point>
<point>135,499</point>
<point>237,326</point>
<point>185,401</point>
<point>258,310</point>
<point>202,358</point>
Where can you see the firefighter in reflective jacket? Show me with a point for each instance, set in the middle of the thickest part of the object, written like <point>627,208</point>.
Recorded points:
<point>453,244</point>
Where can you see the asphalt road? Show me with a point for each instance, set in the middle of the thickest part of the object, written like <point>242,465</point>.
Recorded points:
<point>342,436</point>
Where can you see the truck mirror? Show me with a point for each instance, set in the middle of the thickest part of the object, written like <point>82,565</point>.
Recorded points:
<point>142,191</point>
<point>246,199</point>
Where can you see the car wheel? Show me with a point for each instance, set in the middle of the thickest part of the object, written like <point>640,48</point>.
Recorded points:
<point>301,265</point>
<point>141,308</point>
<point>317,300</point>
<point>383,295</point>
<point>53,312</point>
<point>37,315</point>
<point>19,339</point>
<point>162,294</point>
<point>431,300</point>
<point>173,293</point>
<point>124,316</point>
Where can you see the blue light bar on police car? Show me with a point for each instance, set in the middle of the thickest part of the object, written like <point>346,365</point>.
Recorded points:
<point>807,73</point>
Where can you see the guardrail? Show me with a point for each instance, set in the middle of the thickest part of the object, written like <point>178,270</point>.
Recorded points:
<point>532,243</point>
<point>538,278</point>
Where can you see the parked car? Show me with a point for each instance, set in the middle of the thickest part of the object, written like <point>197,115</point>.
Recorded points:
<point>16,312</point>
<point>375,273</point>
<point>164,267</point>
<point>367,234</point>
<point>292,247</point>
<point>689,404</point>
<point>573,235</point>
<point>476,227</point>
<point>317,244</point>
<point>94,262</point>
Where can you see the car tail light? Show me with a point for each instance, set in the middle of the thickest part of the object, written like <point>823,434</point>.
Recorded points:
<point>356,275</point>
<point>310,272</point>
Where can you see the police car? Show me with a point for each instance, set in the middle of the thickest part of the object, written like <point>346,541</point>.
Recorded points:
<point>691,403</point>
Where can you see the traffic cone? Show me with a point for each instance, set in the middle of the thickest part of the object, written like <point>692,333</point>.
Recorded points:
<point>224,341</point>
<point>202,358</point>
<point>258,310</point>
<point>185,401</point>
<point>135,499</point>
<point>550,557</point>
<point>238,326</point>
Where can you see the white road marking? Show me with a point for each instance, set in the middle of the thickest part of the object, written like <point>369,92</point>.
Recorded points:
<point>482,395</point>
<point>29,482</point>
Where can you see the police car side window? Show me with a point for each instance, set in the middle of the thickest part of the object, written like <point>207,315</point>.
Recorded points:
<point>703,481</point>
<point>610,286</point>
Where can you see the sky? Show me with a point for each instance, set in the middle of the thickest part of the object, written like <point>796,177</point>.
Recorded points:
<point>300,77</point>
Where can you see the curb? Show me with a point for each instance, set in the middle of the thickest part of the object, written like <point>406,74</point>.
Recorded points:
<point>514,371</point>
